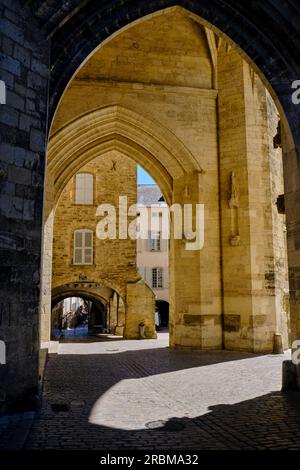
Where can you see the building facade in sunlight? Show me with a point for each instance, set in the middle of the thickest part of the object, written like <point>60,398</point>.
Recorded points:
<point>153,252</point>
<point>101,270</point>
<point>150,96</point>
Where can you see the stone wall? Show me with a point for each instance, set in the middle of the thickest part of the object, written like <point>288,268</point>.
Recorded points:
<point>253,241</point>
<point>24,69</point>
<point>281,281</point>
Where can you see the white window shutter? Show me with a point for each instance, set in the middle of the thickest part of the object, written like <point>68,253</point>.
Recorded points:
<point>166,278</point>
<point>164,244</point>
<point>149,241</point>
<point>148,276</point>
<point>141,270</point>
<point>83,247</point>
<point>84,188</point>
<point>160,278</point>
<point>139,245</point>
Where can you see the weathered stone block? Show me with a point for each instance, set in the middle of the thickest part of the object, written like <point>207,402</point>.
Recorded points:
<point>19,175</point>
<point>27,122</point>
<point>9,116</point>
<point>10,65</point>
<point>232,323</point>
<point>257,321</point>
<point>8,78</point>
<point>22,55</point>
<point>12,30</point>
<point>192,319</point>
<point>28,210</point>
<point>37,140</point>
<point>7,45</point>
<point>40,68</point>
<point>15,100</point>
<point>36,82</point>
<point>24,191</point>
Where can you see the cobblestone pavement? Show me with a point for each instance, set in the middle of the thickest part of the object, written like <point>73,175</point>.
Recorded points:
<point>192,400</point>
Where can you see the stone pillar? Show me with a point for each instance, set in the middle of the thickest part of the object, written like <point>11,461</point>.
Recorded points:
<point>292,208</point>
<point>121,312</point>
<point>195,288</point>
<point>24,69</point>
<point>46,266</point>
<point>113,308</point>
<point>140,307</point>
<point>248,262</point>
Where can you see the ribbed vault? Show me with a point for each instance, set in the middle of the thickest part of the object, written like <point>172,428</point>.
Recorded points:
<point>268,32</point>
<point>155,148</point>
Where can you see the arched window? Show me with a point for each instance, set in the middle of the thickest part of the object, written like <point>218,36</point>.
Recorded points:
<point>84,188</point>
<point>83,247</point>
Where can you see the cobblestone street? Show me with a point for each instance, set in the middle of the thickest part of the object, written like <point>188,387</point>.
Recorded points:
<point>142,395</point>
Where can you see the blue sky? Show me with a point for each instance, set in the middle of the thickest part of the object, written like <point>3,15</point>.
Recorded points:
<point>143,177</point>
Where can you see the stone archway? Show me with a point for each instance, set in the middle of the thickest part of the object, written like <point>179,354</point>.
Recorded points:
<point>251,28</point>
<point>154,147</point>
<point>101,297</point>
<point>258,30</point>
<point>99,132</point>
<point>182,143</point>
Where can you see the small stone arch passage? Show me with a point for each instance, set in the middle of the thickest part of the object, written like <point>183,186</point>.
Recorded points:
<point>124,313</point>
<point>98,294</point>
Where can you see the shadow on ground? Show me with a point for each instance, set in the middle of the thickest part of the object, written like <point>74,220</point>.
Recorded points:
<point>138,390</point>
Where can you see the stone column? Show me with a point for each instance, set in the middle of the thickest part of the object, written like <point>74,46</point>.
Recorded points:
<point>195,289</point>
<point>248,267</point>
<point>113,308</point>
<point>46,266</point>
<point>291,372</point>
<point>24,70</point>
<point>140,307</point>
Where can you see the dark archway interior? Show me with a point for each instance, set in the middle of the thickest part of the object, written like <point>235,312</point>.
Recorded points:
<point>87,319</point>
<point>163,309</point>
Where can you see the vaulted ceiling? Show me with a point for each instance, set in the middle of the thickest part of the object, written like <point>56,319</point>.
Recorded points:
<point>267,30</point>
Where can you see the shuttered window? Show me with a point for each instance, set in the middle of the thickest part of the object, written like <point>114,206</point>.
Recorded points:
<point>83,247</point>
<point>84,188</point>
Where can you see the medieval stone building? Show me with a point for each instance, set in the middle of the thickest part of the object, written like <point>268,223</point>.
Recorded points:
<point>196,99</point>
<point>97,269</point>
<point>233,292</point>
